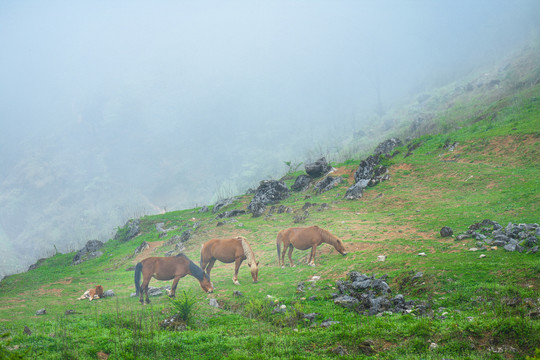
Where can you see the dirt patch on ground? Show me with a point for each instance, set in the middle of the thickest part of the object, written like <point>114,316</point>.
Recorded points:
<point>56,292</point>
<point>403,166</point>
<point>344,171</point>
<point>67,281</point>
<point>152,246</point>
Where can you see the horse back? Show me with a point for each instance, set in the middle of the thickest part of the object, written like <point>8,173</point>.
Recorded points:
<point>224,250</point>
<point>303,238</point>
<point>165,268</point>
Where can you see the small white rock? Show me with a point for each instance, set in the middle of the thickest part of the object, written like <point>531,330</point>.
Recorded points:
<point>482,256</point>
<point>422,254</point>
<point>381,257</point>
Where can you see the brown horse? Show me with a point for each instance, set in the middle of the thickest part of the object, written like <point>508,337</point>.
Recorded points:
<point>229,250</point>
<point>168,268</point>
<point>304,238</point>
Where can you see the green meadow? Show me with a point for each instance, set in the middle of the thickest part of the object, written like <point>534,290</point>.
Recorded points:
<point>479,307</point>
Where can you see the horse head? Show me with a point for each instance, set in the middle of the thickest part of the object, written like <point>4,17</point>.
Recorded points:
<point>340,247</point>
<point>254,272</point>
<point>206,284</point>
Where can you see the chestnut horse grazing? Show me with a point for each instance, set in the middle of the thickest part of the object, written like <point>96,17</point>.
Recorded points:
<point>168,268</point>
<point>304,238</point>
<point>229,250</point>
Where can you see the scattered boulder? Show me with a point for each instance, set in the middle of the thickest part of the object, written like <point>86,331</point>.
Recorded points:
<point>140,249</point>
<point>108,293</point>
<point>41,312</point>
<point>370,296</point>
<point>35,265</point>
<point>89,251</point>
<point>366,167</point>
<point>268,192</point>
<point>154,291</point>
<point>129,231</point>
<point>357,190</point>
<point>387,146</point>
<point>222,203</point>
<point>230,213</point>
<point>257,208</point>
<point>446,231</point>
<point>513,237</point>
<point>318,168</point>
<point>173,240</point>
<point>186,235</point>
<point>204,209</point>
<point>301,183</point>
<point>328,183</point>
<point>159,227</point>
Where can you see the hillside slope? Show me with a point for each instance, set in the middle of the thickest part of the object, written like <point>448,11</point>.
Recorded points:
<point>465,305</point>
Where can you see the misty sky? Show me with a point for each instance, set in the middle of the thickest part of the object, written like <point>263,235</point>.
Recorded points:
<point>113,108</point>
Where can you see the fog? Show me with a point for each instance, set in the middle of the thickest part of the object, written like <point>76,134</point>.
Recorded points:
<point>113,110</point>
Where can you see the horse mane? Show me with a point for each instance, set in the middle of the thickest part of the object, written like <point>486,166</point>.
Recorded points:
<point>250,255</point>
<point>327,236</point>
<point>196,271</point>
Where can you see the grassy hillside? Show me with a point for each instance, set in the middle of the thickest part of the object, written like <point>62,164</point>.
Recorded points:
<point>477,307</point>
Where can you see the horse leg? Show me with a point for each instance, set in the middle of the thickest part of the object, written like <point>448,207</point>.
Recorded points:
<point>291,248</point>
<point>311,261</point>
<point>144,290</point>
<point>210,265</point>
<point>174,285</point>
<point>237,264</point>
<point>285,247</point>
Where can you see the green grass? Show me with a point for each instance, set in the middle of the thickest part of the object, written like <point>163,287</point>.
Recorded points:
<point>492,174</point>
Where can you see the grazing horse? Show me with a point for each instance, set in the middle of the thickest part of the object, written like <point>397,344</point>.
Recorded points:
<point>304,238</point>
<point>229,250</point>
<point>168,268</point>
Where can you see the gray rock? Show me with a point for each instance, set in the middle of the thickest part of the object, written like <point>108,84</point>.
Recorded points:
<point>108,293</point>
<point>269,192</point>
<point>129,231</point>
<point>222,203</point>
<point>387,146</point>
<point>318,168</point>
<point>346,301</point>
<point>328,183</point>
<point>356,191</point>
<point>301,183</point>
<point>446,231</point>
<point>510,247</point>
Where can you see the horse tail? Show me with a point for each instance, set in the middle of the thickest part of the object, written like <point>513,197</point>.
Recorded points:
<point>202,249</point>
<point>138,271</point>
<point>278,245</point>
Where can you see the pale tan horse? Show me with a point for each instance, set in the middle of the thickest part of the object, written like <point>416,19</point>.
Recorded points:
<point>303,238</point>
<point>227,251</point>
<point>168,268</point>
